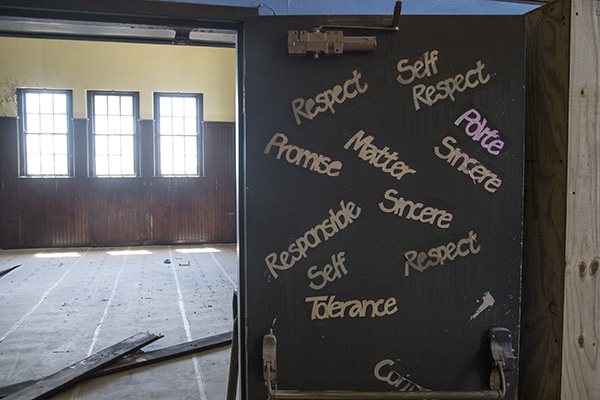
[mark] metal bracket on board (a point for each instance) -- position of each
(502, 353)
(330, 39)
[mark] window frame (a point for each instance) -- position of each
(22, 133)
(92, 134)
(200, 133)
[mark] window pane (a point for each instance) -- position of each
(178, 106)
(100, 105)
(190, 126)
(47, 123)
(33, 164)
(114, 145)
(60, 144)
(114, 124)
(114, 106)
(60, 123)
(165, 105)
(177, 125)
(126, 105)
(114, 164)
(165, 126)
(127, 145)
(32, 123)
(60, 103)
(33, 145)
(127, 164)
(191, 145)
(46, 103)
(166, 145)
(101, 145)
(101, 125)
(179, 166)
(166, 164)
(178, 146)
(190, 107)
(101, 165)
(127, 125)
(47, 164)
(61, 164)
(47, 144)
(191, 166)
(32, 102)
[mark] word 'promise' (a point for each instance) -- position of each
(379, 158)
(328, 228)
(326, 100)
(295, 155)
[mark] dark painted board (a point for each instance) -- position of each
(431, 326)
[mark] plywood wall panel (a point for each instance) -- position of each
(581, 337)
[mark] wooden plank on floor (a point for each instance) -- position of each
(79, 370)
(6, 271)
(143, 359)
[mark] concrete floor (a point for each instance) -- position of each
(56, 309)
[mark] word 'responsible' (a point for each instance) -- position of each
(393, 378)
(326, 100)
(415, 211)
(295, 155)
(446, 88)
(438, 255)
(481, 132)
(379, 158)
(477, 172)
(329, 273)
(325, 307)
(312, 238)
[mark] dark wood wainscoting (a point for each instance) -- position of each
(87, 211)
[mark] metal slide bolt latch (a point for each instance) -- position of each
(320, 42)
(269, 357)
(503, 355)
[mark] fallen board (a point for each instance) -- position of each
(141, 359)
(76, 372)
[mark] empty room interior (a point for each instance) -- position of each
(118, 194)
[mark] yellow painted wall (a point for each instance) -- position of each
(145, 68)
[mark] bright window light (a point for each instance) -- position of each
(199, 250)
(128, 252)
(57, 255)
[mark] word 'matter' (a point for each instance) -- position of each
(379, 158)
(446, 88)
(325, 307)
(312, 238)
(326, 100)
(329, 273)
(477, 172)
(438, 255)
(420, 69)
(415, 211)
(481, 131)
(294, 155)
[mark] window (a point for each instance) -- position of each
(113, 133)
(179, 134)
(45, 132)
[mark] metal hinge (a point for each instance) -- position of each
(330, 39)
(500, 346)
